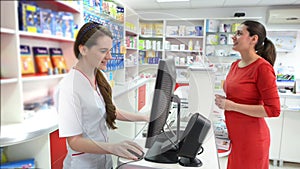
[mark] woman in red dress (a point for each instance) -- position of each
(251, 95)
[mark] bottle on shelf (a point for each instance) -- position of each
(190, 44)
(197, 46)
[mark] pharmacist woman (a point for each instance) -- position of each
(251, 95)
(84, 103)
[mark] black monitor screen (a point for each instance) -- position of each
(163, 92)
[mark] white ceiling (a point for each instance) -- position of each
(152, 4)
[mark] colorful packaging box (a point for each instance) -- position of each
(181, 30)
(27, 62)
(58, 60)
(24, 164)
(42, 60)
(57, 25)
(28, 17)
(212, 25)
(46, 18)
(158, 29)
(190, 31)
(172, 30)
(68, 25)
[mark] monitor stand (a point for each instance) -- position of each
(162, 151)
(165, 150)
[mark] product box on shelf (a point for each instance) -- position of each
(58, 60)
(181, 30)
(67, 25)
(142, 55)
(212, 25)
(212, 39)
(142, 44)
(28, 163)
(120, 13)
(29, 19)
(142, 28)
(158, 29)
(42, 60)
(149, 29)
(199, 31)
(172, 30)
(46, 18)
(234, 27)
(27, 62)
(190, 31)
(57, 25)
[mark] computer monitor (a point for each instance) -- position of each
(160, 146)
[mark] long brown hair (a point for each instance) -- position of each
(264, 47)
(87, 36)
(105, 90)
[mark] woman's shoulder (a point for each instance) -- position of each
(263, 64)
(235, 63)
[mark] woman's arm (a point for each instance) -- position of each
(126, 116)
(250, 110)
(85, 145)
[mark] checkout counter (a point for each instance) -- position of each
(201, 100)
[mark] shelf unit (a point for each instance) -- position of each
(26, 140)
(218, 38)
(185, 45)
(131, 42)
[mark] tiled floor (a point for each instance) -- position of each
(286, 165)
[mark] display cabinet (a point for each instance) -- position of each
(25, 134)
(283, 131)
(184, 40)
(131, 43)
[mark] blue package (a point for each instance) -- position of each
(28, 18)
(24, 164)
(67, 25)
(57, 23)
(46, 17)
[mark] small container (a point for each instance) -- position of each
(182, 47)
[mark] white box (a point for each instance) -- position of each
(174, 47)
(190, 31)
(212, 25)
(172, 30)
(181, 31)
(182, 47)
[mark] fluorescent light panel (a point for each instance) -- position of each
(172, 1)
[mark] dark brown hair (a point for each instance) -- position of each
(105, 90)
(87, 36)
(264, 47)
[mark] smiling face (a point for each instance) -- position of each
(96, 54)
(107, 57)
(242, 41)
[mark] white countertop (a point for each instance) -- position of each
(43, 122)
(209, 157)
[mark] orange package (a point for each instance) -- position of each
(58, 61)
(27, 62)
(42, 59)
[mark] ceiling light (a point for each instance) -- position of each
(172, 1)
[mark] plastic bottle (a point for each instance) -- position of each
(197, 45)
(190, 45)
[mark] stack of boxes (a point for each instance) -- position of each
(35, 19)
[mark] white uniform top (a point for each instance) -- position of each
(81, 110)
